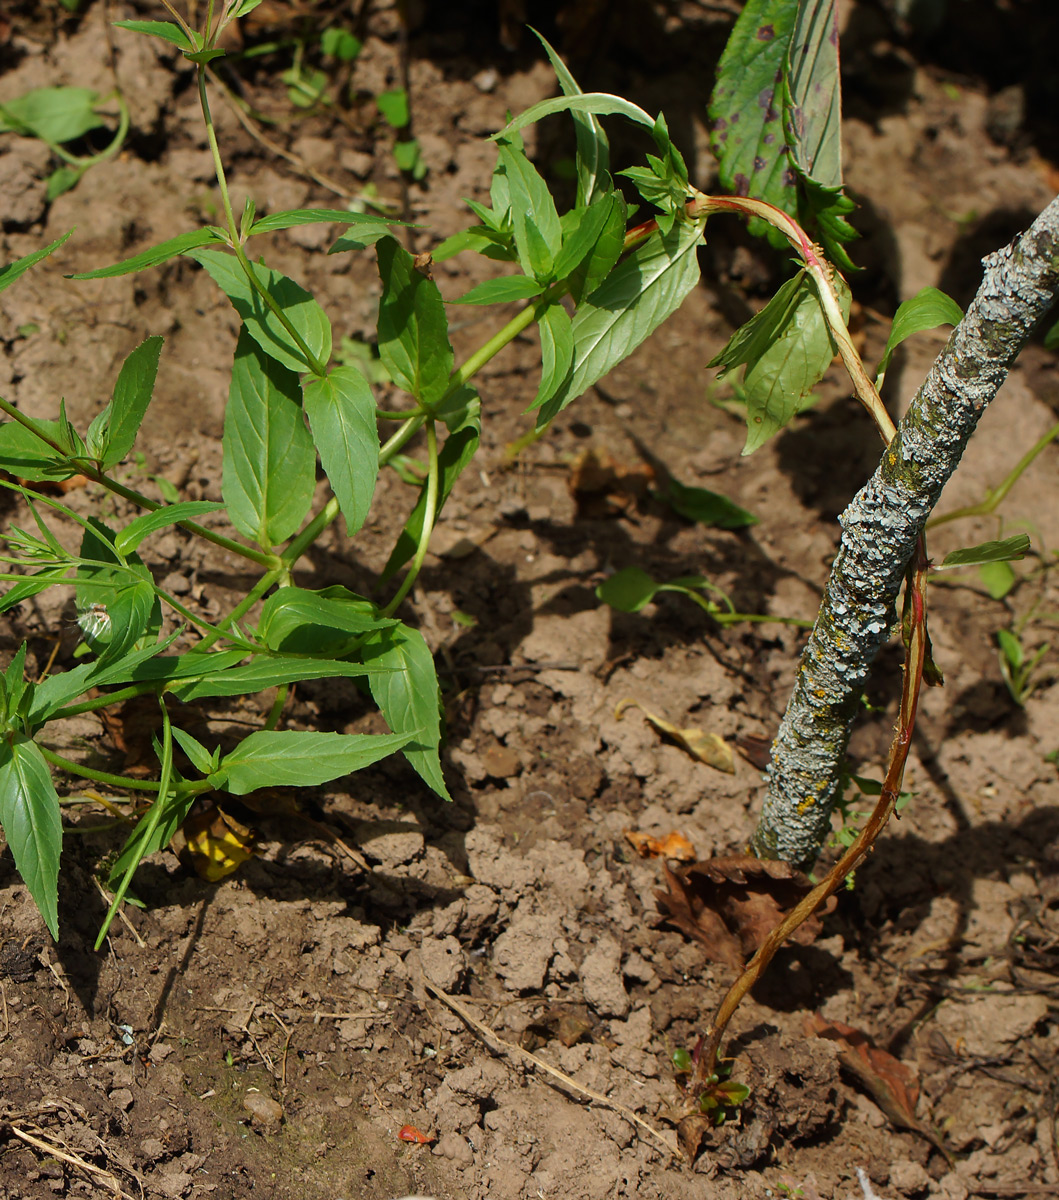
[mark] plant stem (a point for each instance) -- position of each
(881, 529)
(429, 515)
(104, 777)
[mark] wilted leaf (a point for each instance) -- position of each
(673, 846)
(216, 844)
(731, 904)
(709, 748)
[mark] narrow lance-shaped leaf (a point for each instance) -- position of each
(29, 814)
(1006, 550)
(813, 114)
(269, 465)
(25, 456)
(557, 352)
(599, 104)
(629, 305)
(409, 697)
(21, 265)
(413, 329)
(166, 30)
(267, 671)
(156, 254)
(504, 290)
(320, 216)
(129, 538)
(538, 232)
(113, 432)
(295, 758)
(341, 412)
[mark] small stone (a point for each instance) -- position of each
(390, 843)
(442, 961)
(456, 1148)
(501, 762)
(486, 80)
(122, 1097)
(265, 1112)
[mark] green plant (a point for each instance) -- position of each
(1018, 667)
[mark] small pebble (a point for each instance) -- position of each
(264, 1111)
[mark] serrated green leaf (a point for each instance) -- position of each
(538, 232)
(462, 415)
(593, 149)
(413, 329)
(301, 310)
(29, 814)
(1006, 550)
(409, 698)
(298, 621)
(927, 309)
(321, 216)
(113, 431)
(269, 464)
(129, 538)
(557, 352)
(295, 758)
(21, 265)
(156, 255)
(53, 114)
(746, 109)
(629, 305)
(599, 104)
(505, 290)
(165, 30)
(341, 412)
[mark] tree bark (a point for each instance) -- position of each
(880, 529)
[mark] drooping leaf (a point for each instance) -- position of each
(296, 758)
(21, 265)
(927, 309)
(746, 108)
(593, 149)
(599, 104)
(629, 305)
(413, 329)
(320, 216)
(1007, 550)
(29, 815)
(557, 352)
(304, 622)
(503, 290)
(306, 317)
(269, 465)
(53, 114)
(156, 254)
(998, 578)
(628, 590)
(409, 697)
(341, 412)
(708, 748)
(165, 30)
(113, 431)
(129, 538)
(786, 349)
(453, 457)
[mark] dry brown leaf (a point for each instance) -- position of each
(673, 846)
(708, 748)
(755, 749)
(603, 486)
(216, 844)
(732, 904)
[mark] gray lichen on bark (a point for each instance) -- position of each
(880, 529)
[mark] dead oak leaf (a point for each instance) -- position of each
(674, 845)
(708, 748)
(731, 904)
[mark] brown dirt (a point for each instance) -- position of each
(301, 980)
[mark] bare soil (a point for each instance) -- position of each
(270, 1035)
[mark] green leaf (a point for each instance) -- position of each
(455, 454)
(133, 534)
(706, 507)
(154, 830)
(1051, 338)
(29, 814)
(62, 180)
(265, 672)
(786, 348)
(582, 236)
(53, 114)
(927, 309)
(987, 552)
(292, 758)
(21, 265)
(608, 248)
(300, 309)
(157, 254)
(494, 245)
(114, 429)
(130, 613)
(321, 216)
(998, 578)
(408, 156)
(25, 456)
(269, 468)
(746, 109)
(628, 590)
(340, 44)
(362, 236)
(538, 232)
(632, 302)
(813, 101)
(165, 30)
(598, 104)
(593, 149)
(409, 698)
(505, 290)
(200, 757)
(557, 352)
(304, 622)
(341, 412)
(393, 106)
(413, 330)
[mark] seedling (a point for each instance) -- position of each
(1018, 667)
(718, 1097)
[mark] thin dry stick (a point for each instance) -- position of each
(891, 789)
(509, 1049)
(49, 1147)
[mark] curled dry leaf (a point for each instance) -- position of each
(215, 844)
(731, 904)
(709, 748)
(674, 846)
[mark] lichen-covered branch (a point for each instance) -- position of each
(879, 533)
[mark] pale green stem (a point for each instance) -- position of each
(429, 516)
